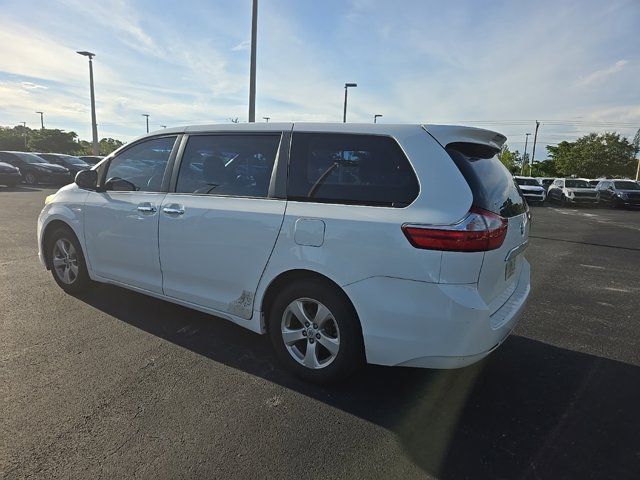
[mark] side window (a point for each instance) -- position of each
(233, 165)
(141, 167)
(350, 169)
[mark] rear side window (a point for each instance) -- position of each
(491, 183)
(350, 169)
(234, 165)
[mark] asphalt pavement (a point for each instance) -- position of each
(113, 384)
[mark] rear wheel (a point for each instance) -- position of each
(315, 332)
(30, 178)
(67, 261)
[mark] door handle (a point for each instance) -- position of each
(146, 207)
(173, 210)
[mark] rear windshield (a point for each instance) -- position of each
(529, 182)
(491, 183)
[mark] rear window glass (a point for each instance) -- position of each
(350, 169)
(492, 185)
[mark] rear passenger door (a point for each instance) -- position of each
(220, 221)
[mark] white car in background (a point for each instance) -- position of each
(346, 243)
(532, 189)
(572, 191)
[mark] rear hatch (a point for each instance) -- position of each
(474, 151)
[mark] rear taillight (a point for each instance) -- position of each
(479, 231)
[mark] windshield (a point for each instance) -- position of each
(529, 182)
(572, 183)
(626, 185)
(29, 158)
(74, 161)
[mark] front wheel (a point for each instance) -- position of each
(67, 261)
(30, 179)
(315, 331)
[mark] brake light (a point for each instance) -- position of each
(479, 231)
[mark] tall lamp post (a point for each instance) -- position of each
(266, 119)
(346, 88)
(94, 125)
(146, 115)
(524, 155)
(41, 120)
(533, 154)
(252, 73)
(24, 134)
(375, 117)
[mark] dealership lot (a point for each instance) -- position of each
(114, 384)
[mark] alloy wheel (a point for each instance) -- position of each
(310, 333)
(65, 261)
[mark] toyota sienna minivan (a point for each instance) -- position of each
(345, 243)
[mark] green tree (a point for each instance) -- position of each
(511, 160)
(105, 146)
(53, 140)
(14, 138)
(595, 155)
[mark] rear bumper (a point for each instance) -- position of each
(433, 325)
(10, 178)
(55, 178)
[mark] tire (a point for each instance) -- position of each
(68, 266)
(340, 330)
(30, 178)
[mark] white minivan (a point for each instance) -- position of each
(346, 243)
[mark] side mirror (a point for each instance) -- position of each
(117, 184)
(87, 179)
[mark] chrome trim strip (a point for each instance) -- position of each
(516, 250)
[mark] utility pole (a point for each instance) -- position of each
(266, 119)
(346, 87)
(252, 73)
(24, 134)
(524, 155)
(41, 119)
(535, 139)
(375, 117)
(146, 115)
(94, 125)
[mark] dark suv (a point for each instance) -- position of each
(35, 169)
(619, 193)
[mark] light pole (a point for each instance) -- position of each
(252, 73)
(346, 87)
(41, 120)
(266, 119)
(24, 133)
(533, 154)
(94, 125)
(375, 117)
(524, 155)
(146, 115)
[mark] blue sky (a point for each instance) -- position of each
(502, 64)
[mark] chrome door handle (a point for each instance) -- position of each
(147, 208)
(173, 210)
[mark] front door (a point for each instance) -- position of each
(219, 227)
(121, 223)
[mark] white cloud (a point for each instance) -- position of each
(244, 45)
(597, 77)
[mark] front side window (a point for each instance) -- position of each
(231, 165)
(350, 169)
(626, 185)
(141, 167)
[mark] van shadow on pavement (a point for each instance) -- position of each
(531, 410)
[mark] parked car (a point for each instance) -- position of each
(9, 175)
(545, 182)
(91, 159)
(572, 191)
(73, 164)
(391, 244)
(532, 190)
(35, 169)
(619, 193)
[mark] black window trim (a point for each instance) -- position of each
(275, 191)
(350, 202)
(104, 165)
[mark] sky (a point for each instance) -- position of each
(573, 65)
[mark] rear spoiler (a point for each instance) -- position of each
(448, 134)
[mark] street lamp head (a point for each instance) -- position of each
(41, 113)
(347, 85)
(87, 54)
